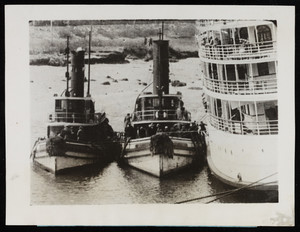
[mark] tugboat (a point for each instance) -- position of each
(76, 135)
(239, 70)
(160, 137)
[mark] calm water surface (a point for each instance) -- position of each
(112, 184)
(115, 185)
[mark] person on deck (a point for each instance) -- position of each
(130, 131)
(166, 129)
(179, 113)
(151, 130)
(72, 134)
(142, 132)
(65, 133)
(185, 114)
(159, 128)
(80, 134)
(127, 120)
(202, 128)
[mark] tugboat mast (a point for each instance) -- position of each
(89, 69)
(67, 51)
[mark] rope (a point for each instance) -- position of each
(125, 145)
(221, 193)
(143, 91)
(244, 187)
(31, 154)
(203, 117)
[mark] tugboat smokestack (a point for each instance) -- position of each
(161, 66)
(77, 73)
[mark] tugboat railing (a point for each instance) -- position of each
(72, 117)
(252, 86)
(267, 127)
(154, 115)
(244, 51)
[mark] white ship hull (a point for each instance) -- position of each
(139, 156)
(77, 155)
(240, 160)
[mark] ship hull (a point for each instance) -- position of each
(139, 155)
(243, 161)
(75, 155)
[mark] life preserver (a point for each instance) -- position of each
(156, 114)
(55, 146)
(165, 114)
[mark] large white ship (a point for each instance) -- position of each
(239, 70)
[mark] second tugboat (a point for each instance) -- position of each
(76, 135)
(160, 137)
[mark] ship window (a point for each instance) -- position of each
(227, 36)
(76, 106)
(241, 71)
(236, 36)
(264, 33)
(148, 103)
(58, 104)
(138, 105)
(70, 105)
(244, 33)
(169, 103)
(243, 109)
(272, 113)
(263, 69)
(223, 72)
(172, 103)
(218, 109)
(92, 107)
(230, 72)
(213, 73)
(210, 71)
(64, 105)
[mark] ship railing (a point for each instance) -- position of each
(72, 117)
(252, 86)
(147, 115)
(244, 51)
(268, 127)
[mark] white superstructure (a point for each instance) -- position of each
(239, 70)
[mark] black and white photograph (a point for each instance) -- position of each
(150, 119)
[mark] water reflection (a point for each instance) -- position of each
(112, 184)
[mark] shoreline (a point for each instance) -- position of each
(112, 57)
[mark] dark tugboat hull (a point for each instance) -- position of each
(75, 155)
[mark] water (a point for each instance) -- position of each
(112, 184)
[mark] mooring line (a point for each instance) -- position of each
(226, 193)
(244, 187)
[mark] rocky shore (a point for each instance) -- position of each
(108, 57)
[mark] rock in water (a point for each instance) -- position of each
(177, 83)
